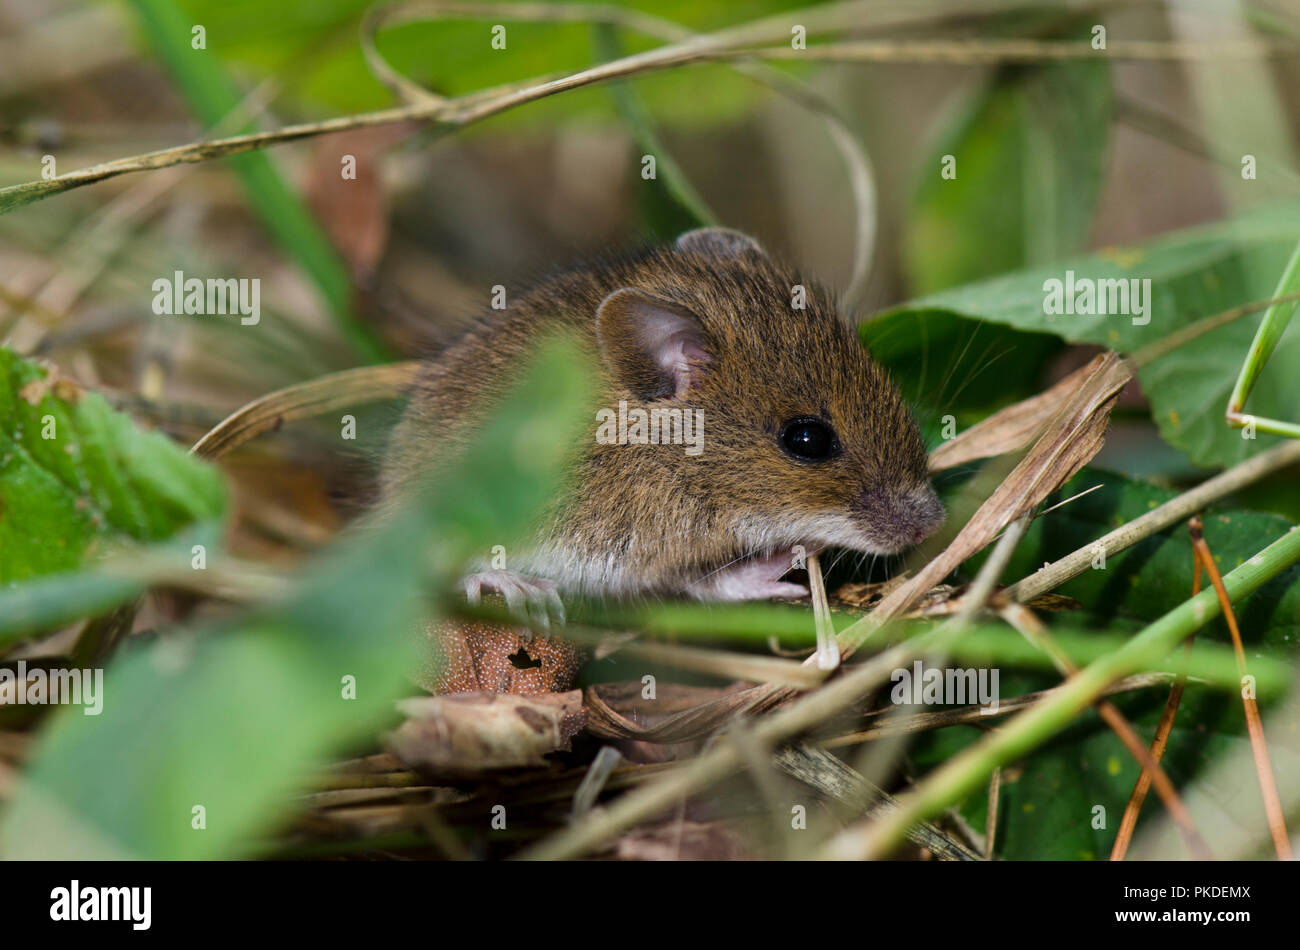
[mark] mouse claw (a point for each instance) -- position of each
(532, 600)
(554, 603)
(539, 616)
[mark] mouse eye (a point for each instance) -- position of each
(809, 440)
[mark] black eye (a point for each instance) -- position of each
(809, 440)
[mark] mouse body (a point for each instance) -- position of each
(772, 432)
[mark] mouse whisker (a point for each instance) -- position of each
(734, 560)
(844, 552)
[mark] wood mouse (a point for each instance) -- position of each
(792, 439)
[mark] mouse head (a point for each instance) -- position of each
(805, 440)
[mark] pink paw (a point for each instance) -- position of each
(753, 579)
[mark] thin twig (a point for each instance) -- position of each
(1258, 744)
(324, 394)
(1184, 335)
(1170, 513)
(1033, 629)
(833, 777)
(828, 651)
(594, 781)
(971, 715)
(455, 113)
(1133, 809)
(980, 52)
(727, 663)
(964, 772)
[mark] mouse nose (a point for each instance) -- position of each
(911, 515)
(929, 511)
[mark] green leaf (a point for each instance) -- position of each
(213, 96)
(1153, 576)
(1194, 274)
(1029, 156)
(315, 42)
(946, 364)
(225, 723)
(75, 473)
(1047, 810)
(1048, 801)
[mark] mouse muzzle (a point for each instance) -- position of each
(895, 520)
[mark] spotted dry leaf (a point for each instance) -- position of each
(470, 657)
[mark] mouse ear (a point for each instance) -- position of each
(656, 347)
(719, 242)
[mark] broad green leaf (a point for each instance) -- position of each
(75, 474)
(1047, 809)
(1048, 801)
(1193, 274)
(1027, 158)
(945, 364)
(1153, 576)
(230, 719)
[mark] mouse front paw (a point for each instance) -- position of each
(754, 579)
(530, 599)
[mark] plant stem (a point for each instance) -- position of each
(1128, 824)
(1170, 513)
(964, 773)
(211, 94)
(1258, 746)
(806, 714)
(1266, 337)
(1024, 620)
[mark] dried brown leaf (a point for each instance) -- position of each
(470, 734)
(1072, 436)
(354, 211)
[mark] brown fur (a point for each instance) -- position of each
(649, 518)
